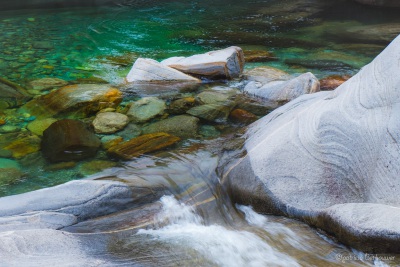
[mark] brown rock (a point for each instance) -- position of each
(180, 106)
(143, 144)
(24, 146)
(69, 140)
(47, 83)
(80, 100)
(258, 56)
(242, 116)
(333, 81)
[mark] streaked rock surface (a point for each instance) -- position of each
(278, 92)
(226, 63)
(79, 100)
(327, 149)
(149, 70)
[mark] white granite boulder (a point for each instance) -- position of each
(226, 63)
(149, 70)
(327, 149)
(278, 92)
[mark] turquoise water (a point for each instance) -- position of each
(75, 43)
(325, 37)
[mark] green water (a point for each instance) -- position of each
(325, 37)
(77, 41)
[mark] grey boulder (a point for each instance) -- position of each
(314, 156)
(278, 92)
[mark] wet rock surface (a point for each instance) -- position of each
(69, 140)
(109, 122)
(143, 144)
(146, 109)
(78, 100)
(183, 126)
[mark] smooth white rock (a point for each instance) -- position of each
(149, 70)
(225, 63)
(279, 92)
(329, 148)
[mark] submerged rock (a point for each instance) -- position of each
(258, 56)
(24, 146)
(180, 106)
(95, 166)
(211, 112)
(332, 82)
(242, 116)
(277, 93)
(10, 176)
(39, 126)
(69, 140)
(109, 122)
(227, 63)
(183, 126)
(266, 74)
(149, 70)
(213, 97)
(143, 144)
(130, 131)
(47, 84)
(110, 141)
(79, 100)
(146, 109)
(12, 95)
(314, 157)
(320, 64)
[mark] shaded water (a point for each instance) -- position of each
(199, 225)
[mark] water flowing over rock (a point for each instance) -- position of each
(317, 154)
(227, 63)
(109, 122)
(79, 100)
(69, 140)
(277, 93)
(149, 70)
(143, 144)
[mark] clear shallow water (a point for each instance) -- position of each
(76, 43)
(325, 37)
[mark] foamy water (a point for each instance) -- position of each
(222, 246)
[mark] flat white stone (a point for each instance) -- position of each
(149, 70)
(225, 63)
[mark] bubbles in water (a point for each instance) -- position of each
(221, 246)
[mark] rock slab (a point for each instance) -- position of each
(143, 144)
(227, 63)
(149, 70)
(317, 154)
